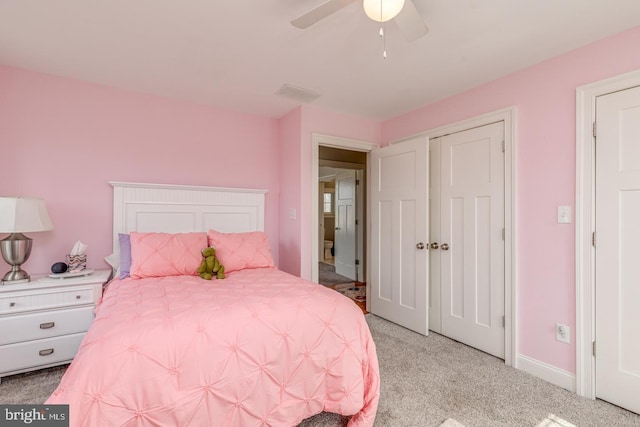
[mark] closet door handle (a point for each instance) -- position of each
(47, 325)
(46, 352)
(444, 247)
(434, 245)
(420, 246)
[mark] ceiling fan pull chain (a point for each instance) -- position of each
(384, 41)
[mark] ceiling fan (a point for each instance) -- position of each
(404, 13)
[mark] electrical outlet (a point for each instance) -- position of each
(563, 333)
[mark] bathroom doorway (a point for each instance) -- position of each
(341, 217)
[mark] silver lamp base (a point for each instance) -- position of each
(15, 276)
(16, 249)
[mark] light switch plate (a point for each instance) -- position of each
(564, 214)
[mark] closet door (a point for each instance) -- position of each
(471, 242)
(400, 233)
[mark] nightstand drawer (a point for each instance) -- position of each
(42, 300)
(40, 325)
(32, 354)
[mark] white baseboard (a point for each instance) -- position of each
(557, 376)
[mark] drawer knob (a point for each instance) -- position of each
(46, 352)
(12, 304)
(47, 325)
(78, 296)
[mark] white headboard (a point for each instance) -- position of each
(183, 208)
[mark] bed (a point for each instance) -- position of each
(258, 348)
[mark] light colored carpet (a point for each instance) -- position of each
(425, 381)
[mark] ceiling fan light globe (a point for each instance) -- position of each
(382, 10)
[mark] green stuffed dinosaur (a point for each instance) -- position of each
(210, 265)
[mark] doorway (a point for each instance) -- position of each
(341, 217)
(617, 189)
(608, 205)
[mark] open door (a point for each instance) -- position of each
(400, 233)
(345, 229)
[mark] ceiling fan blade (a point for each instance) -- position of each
(410, 22)
(320, 12)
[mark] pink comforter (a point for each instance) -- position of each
(258, 348)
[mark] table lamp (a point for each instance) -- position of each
(20, 215)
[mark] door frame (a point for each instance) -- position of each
(317, 140)
(507, 115)
(585, 223)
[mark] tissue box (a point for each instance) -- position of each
(76, 262)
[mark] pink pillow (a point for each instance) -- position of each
(237, 251)
(164, 254)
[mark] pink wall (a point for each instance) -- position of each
(63, 140)
(290, 229)
(544, 97)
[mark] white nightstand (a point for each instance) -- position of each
(42, 322)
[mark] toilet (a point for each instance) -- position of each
(328, 245)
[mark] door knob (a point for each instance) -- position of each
(420, 246)
(444, 247)
(337, 228)
(434, 245)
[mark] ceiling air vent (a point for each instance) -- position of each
(298, 93)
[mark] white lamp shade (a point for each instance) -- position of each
(23, 215)
(382, 10)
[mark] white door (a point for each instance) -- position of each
(617, 254)
(471, 237)
(400, 233)
(344, 245)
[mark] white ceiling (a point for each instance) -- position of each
(237, 54)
